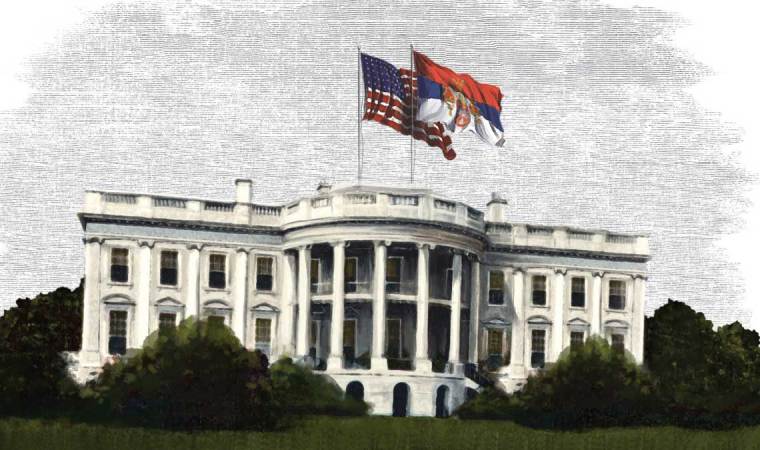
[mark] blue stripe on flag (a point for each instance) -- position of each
(426, 88)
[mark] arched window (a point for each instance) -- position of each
(442, 401)
(355, 390)
(401, 400)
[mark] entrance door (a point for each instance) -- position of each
(441, 401)
(401, 400)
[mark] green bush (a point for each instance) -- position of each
(302, 392)
(198, 376)
(33, 372)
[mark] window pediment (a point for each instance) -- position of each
(539, 320)
(265, 307)
(216, 304)
(616, 324)
(168, 301)
(118, 299)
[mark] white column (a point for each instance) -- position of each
(637, 332)
(474, 309)
(517, 363)
(456, 310)
(421, 360)
(378, 360)
(91, 307)
(192, 301)
(304, 301)
(558, 309)
(596, 304)
(239, 291)
(286, 325)
(335, 360)
(142, 306)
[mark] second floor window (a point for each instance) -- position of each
(539, 290)
(315, 275)
(264, 273)
(578, 294)
(617, 294)
(537, 348)
(169, 268)
(496, 287)
(119, 265)
(350, 269)
(393, 274)
(217, 271)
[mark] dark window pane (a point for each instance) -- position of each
(167, 321)
(117, 345)
(539, 298)
(618, 342)
(264, 282)
(117, 332)
(119, 274)
(576, 339)
(216, 280)
(537, 360)
(538, 345)
(495, 297)
(168, 276)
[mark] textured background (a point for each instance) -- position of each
(602, 126)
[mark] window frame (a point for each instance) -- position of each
(355, 281)
(161, 268)
(400, 337)
(109, 328)
(314, 285)
(545, 332)
(624, 296)
(583, 338)
(167, 313)
(491, 288)
(224, 257)
(573, 292)
(533, 290)
(272, 263)
(398, 283)
(128, 265)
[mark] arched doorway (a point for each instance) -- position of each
(401, 400)
(442, 401)
(355, 390)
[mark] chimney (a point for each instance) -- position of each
(242, 190)
(497, 208)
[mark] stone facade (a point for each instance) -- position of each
(397, 294)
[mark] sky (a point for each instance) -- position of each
(633, 116)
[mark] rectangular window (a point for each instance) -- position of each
(167, 321)
(350, 274)
(393, 338)
(449, 282)
(618, 342)
(495, 287)
(576, 339)
(349, 340)
(264, 336)
(119, 265)
(539, 290)
(264, 273)
(169, 261)
(393, 274)
(314, 337)
(117, 332)
(578, 294)
(495, 338)
(315, 275)
(215, 320)
(617, 294)
(217, 271)
(537, 348)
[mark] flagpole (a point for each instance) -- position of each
(411, 134)
(359, 115)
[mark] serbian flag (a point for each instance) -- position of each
(389, 100)
(458, 101)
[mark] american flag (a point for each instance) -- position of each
(389, 102)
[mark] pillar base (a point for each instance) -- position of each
(455, 368)
(379, 364)
(423, 365)
(334, 363)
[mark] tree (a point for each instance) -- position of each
(198, 376)
(32, 336)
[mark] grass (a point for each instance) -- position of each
(367, 433)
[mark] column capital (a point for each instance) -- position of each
(638, 276)
(598, 273)
(343, 244)
(382, 243)
(198, 247)
(519, 270)
(242, 250)
(93, 239)
(560, 271)
(422, 245)
(473, 257)
(146, 243)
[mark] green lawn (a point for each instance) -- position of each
(367, 433)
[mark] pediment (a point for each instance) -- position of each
(217, 304)
(168, 301)
(118, 299)
(578, 322)
(496, 323)
(265, 307)
(616, 324)
(539, 320)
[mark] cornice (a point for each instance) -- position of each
(545, 251)
(86, 218)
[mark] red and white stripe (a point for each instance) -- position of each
(387, 109)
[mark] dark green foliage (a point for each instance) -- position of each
(590, 385)
(33, 372)
(299, 391)
(198, 376)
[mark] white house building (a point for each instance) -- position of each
(397, 294)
